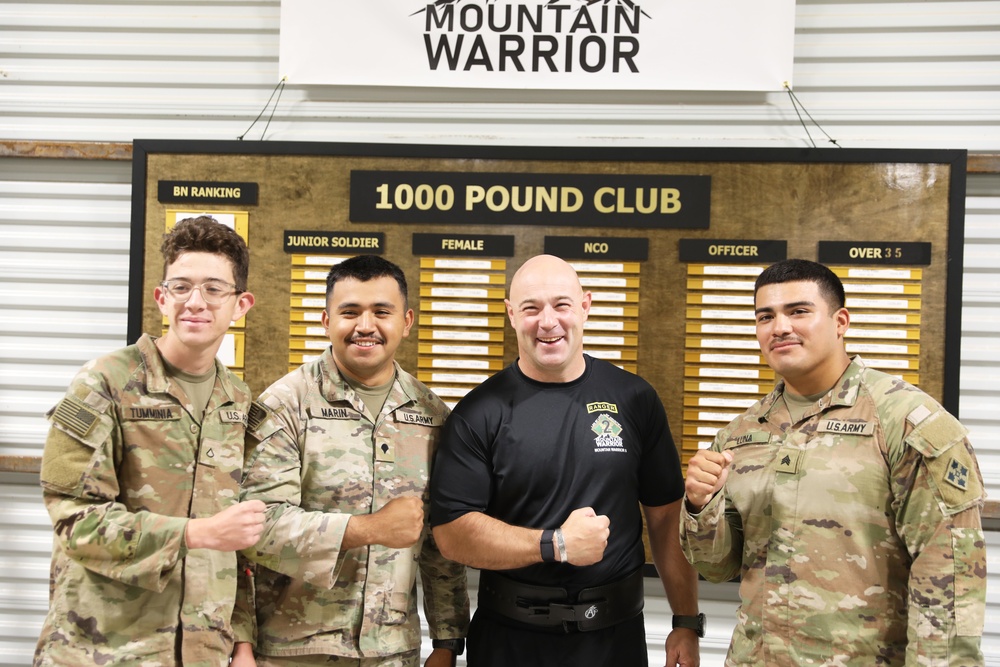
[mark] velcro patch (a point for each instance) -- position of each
(160, 413)
(258, 413)
(748, 438)
(918, 415)
(788, 460)
(330, 412)
(233, 417)
(846, 427)
(75, 416)
(957, 474)
(410, 417)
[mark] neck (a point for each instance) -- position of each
(819, 382)
(193, 361)
(568, 373)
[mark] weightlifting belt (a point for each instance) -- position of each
(550, 607)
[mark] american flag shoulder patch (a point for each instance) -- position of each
(75, 416)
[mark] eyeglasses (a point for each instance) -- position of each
(213, 292)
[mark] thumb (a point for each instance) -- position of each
(724, 475)
(728, 455)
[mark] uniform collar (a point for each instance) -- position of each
(333, 387)
(157, 380)
(844, 393)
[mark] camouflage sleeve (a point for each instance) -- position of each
(938, 493)
(446, 596)
(712, 539)
(299, 543)
(80, 489)
(244, 620)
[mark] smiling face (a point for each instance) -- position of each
(196, 327)
(547, 308)
(801, 335)
(366, 321)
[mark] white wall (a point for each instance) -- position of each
(890, 74)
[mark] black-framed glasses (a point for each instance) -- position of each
(213, 292)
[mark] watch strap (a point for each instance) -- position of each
(546, 546)
(456, 646)
(696, 623)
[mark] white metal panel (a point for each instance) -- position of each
(64, 242)
(888, 74)
(25, 550)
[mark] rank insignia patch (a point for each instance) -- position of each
(957, 475)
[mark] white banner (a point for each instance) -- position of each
(541, 44)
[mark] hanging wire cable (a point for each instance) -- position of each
(277, 89)
(796, 104)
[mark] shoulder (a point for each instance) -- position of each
(111, 372)
(897, 401)
(619, 383)
(424, 399)
(240, 388)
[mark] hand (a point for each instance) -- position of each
(682, 648)
(706, 475)
(441, 657)
(243, 656)
(237, 527)
(400, 523)
(586, 535)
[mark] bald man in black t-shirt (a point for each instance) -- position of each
(538, 482)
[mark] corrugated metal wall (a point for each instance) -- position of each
(875, 74)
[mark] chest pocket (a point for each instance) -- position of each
(751, 475)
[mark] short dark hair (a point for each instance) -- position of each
(206, 234)
(364, 268)
(803, 270)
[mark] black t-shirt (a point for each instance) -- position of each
(528, 453)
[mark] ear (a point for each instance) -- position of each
(243, 304)
(843, 321)
(510, 311)
(160, 296)
(407, 322)
(588, 298)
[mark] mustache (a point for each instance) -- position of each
(355, 338)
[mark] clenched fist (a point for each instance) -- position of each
(237, 527)
(586, 536)
(706, 475)
(398, 525)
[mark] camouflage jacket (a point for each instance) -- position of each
(319, 460)
(856, 531)
(125, 465)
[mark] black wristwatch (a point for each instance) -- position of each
(696, 623)
(456, 646)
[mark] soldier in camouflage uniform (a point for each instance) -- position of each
(847, 501)
(340, 452)
(140, 476)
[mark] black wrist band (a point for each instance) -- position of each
(456, 646)
(546, 546)
(696, 623)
